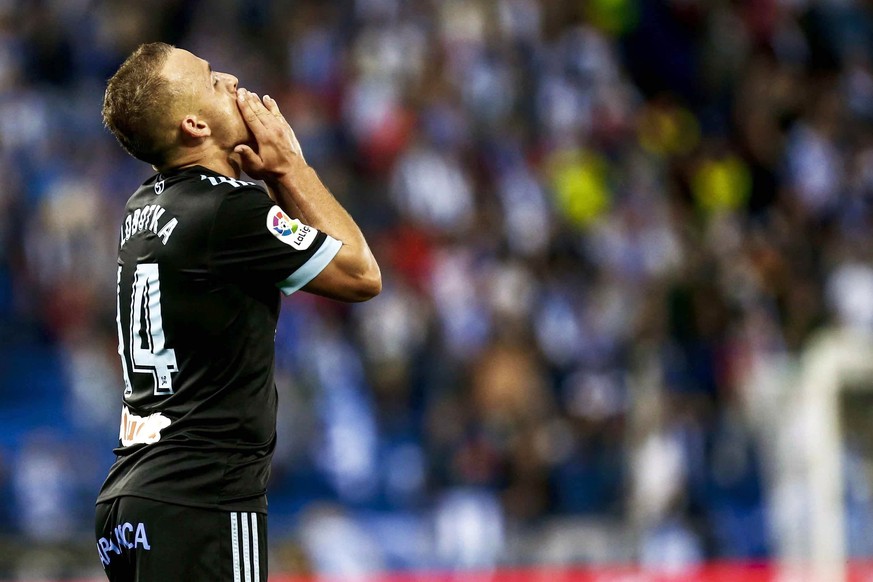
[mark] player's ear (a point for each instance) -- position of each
(195, 127)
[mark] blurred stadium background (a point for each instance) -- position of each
(626, 249)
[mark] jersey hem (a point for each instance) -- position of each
(257, 508)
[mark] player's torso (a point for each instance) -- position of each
(202, 259)
(196, 349)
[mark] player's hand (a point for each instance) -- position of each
(277, 149)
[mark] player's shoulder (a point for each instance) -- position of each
(209, 194)
(193, 185)
(198, 179)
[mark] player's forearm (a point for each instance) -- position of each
(302, 194)
(352, 274)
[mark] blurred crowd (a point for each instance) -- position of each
(591, 217)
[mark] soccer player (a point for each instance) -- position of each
(202, 258)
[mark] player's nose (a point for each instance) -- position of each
(230, 81)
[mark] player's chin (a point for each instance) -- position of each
(246, 139)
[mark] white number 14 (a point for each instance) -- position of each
(154, 358)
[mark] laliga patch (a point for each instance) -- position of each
(289, 230)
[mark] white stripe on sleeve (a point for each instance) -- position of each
(315, 265)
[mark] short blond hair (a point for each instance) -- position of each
(135, 97)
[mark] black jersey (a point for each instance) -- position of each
(201, 260)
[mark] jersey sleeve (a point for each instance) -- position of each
(252, 239)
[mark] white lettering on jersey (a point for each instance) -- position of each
(223, 180)
(138, 430)
(143, 217)
(168, 230)
(148, 218)
(289, 230)
(156, 214)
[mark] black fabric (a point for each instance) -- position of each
(197, 313)
(140, 540)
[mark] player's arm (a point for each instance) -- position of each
(353, 274)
